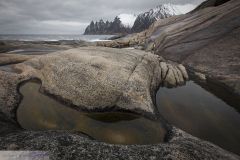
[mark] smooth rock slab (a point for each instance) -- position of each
(206, 40)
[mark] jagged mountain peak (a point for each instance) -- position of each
(168, 8)
(127, 23)
(109, 27)
(162, 11)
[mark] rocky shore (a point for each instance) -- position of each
(39, 47)
(122, 79)
(97, 77)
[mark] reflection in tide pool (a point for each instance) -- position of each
(201, 114)
(40, 112)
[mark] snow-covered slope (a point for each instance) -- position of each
(127, 19)
(128, 23)
(162, 11)
(144, 20)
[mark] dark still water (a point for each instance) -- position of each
(201, 114)
(40, 112)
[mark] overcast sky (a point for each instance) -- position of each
(67, 16)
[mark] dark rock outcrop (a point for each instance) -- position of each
(206, 41)
(210, 3)
(145, 20)
(112, 28)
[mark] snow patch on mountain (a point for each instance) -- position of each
(129, 23)
(185, 8)
(144, 20)
(166, 10)
(127, 19)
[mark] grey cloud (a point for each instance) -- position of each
(29, 16)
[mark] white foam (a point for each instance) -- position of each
(16, 51)
(97, 40)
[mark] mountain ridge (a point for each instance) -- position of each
(125, 25)
(102, 27)
(144, 20)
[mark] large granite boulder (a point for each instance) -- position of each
(97, 78)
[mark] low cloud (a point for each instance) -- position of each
(67, 17)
